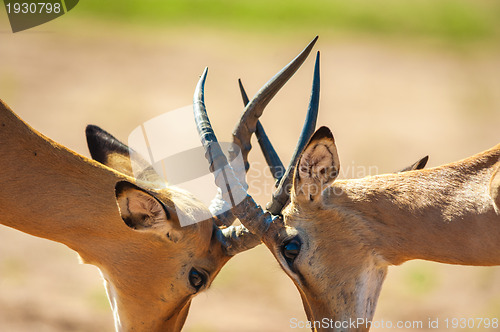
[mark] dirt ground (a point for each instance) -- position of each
(387, 102)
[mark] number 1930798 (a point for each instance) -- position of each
(33, 8)
(471, 323)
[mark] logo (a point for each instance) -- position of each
(25, 14)
(167, 148)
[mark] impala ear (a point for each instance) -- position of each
(108, 150)
(419, 164)
(142, 211)
(495, 188)
(318, 165)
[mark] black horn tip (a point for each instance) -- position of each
(244, 95)
(311, 44)
(205, 72)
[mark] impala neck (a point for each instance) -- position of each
(443, 214)
(51, 192)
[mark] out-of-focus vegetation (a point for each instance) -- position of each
(455, 21)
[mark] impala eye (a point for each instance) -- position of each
(197, 279)
(291, 249)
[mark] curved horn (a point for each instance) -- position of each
(244, 207)
(253, 110)
(248, 124)
(282, 194)
(267, 148)
(257, 221)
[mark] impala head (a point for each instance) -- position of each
(128, 228)
(160, 266)
(322, 249)
(313, 243)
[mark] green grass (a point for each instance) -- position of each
(450, 20)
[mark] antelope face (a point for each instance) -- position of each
(154, 267)
(168, 266)
(338, 279)
(323, 249)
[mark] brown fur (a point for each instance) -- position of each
(355, 229)
(51, 192)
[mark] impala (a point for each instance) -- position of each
(335, 239)
(152, 268)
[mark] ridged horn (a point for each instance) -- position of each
(231, 190)
(254, 108)
(273, 160)
(248, 125)
(243, 206)
(282, 194)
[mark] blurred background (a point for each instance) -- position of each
(400, 80)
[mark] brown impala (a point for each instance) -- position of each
(335, 239)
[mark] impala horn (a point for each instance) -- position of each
(243, 206)
(220, 207)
